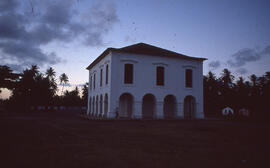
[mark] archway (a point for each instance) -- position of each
(96, 106)
(169, 107)
(106, 105)
(100, 106)
(189, 107)
(125, 105)
(148, 106)
(90, 106)
(93, 106)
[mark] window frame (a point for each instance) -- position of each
(101, 77)
(107, 74)
(187, 83)
(128, 80)
(160, 79)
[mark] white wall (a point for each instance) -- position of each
(104, 88)
(144, 81)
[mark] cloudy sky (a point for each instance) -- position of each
(69, 34)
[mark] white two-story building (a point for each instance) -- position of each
(144, 81)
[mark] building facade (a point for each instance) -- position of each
(144, 81)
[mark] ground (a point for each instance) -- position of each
(67, 140)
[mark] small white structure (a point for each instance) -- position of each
(243, 112)
(144, 81)
(227, 111)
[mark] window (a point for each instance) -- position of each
(101, 72)
(107, 73)
(188, 78)
(128, 78)
(94, 84)
(91, 83)
(160, 76)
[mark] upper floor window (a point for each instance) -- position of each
(94, 84)
(189, 78)
(101, 72)
(128, 78)
(160, 76)
(107, 74)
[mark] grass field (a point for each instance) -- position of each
(66, 140)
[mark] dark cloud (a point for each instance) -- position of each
(214, 64)
(99, 19)
(266, 51)
(8, 5)
(26, 26)
(246, 55)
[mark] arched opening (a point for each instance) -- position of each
(189, 107)
(101, 106)
(106, 105)
(148, 106)
(93, 106)
(89, 106)
(169, 107)
(96, 107)
(125, 105)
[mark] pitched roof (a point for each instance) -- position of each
(144, 49)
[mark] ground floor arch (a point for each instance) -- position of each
(96, 106)
(90, 106)
(189, 107)
(93, 106)
(148, 106)
(100, 106)
(169, 107)
(126, 105)
(106, 105)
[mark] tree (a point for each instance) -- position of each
(72, 98)
(212, 97)
(8, 79)
(85, 93)
(63, 80)
(227, 78)
(50, 75)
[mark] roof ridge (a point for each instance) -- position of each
(145, 49)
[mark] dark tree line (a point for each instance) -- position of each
(31, 88)
(226, 91)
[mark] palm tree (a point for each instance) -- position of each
(34, 70)
(50, 74)
(63, 80)
(227, 78)
(253, 78)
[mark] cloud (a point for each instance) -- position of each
(246, 55)
(99, 19)
(241, 71)
(214, 64)
(27, 26)
(266, 51)
(8, 5)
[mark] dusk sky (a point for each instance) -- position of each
(69, 34)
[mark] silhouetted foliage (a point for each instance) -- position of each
(63, 80)
(221, 92)
(85, 93)
(34, 89)
(7, 77)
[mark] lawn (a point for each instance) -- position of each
(67, 140)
